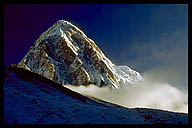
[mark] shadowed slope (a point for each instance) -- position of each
(30, 98)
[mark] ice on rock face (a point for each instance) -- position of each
(65, 54)
(126, 75)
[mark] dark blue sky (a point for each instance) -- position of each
(137, 35)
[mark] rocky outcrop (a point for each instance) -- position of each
(66, 55)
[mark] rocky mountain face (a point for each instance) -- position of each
(66, 55)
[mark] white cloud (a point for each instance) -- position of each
(146, 95)
(166, 75)
(163, 61)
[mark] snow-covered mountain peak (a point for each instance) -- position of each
(63, 26)
(66, 55)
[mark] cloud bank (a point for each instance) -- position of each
(164, 66)
(145, 94)
(160, 54)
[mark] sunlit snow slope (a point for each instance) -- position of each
(33, 99)
(66, 55)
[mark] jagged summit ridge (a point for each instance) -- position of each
(66, 55)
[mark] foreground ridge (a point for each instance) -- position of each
(30, 98)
